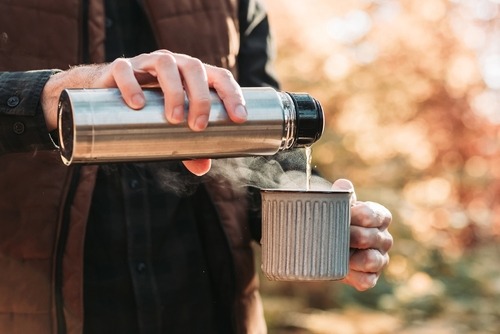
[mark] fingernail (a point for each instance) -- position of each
(178, 114)
(201, 122)
(138, 101)
(241, 111)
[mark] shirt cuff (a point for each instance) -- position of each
(22, 122)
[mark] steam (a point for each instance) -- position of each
(282, 171)
(285, 170)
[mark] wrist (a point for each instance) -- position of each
(50, 99)
(75, 77)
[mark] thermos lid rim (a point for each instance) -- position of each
(309, 119)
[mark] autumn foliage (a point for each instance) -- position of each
(411, 90)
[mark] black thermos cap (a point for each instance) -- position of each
(309, 119)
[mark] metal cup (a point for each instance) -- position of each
(305, 234)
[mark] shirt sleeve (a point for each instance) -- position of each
(22, 123)
(256, 48)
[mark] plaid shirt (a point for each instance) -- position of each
(146, 267)
(149, 251)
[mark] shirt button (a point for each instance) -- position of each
(18, 128)
(13, 101)
(141, 267)
(109, 23)
(134, 184)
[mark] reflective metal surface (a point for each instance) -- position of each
(95, 125)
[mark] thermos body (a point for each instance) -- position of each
(95, 125)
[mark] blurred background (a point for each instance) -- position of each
(411, 89)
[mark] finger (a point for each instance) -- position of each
(344, 184)
(370, 214)
(229, 91)
(368, 261)
(123, 75)
(361, 281)
(366, 238)
(195, 81)
(198, 167)
(163, 65)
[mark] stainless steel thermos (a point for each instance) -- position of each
(95, 125)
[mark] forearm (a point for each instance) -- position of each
(22, 121)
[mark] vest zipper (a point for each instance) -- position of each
(84, 43)
(146, 6)
(60, 248)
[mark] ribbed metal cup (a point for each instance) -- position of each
(305, 234)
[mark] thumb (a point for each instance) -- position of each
(344, 184)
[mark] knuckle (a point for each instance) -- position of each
(201, 104)
(361, 212)
(225, 74)
(380, 240)
(196, 62)
(363, 243)
(363, 238)
(371, 214)
(388, 241)
(120, 64)
(174, 99)
(367, 282)
(381, 212)
(193, 64)
(161, 51)
(384, 216)
(373, 261)
(140, 56)
(164, 59)
(220, 72)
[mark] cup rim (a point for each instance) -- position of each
(313, 191)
